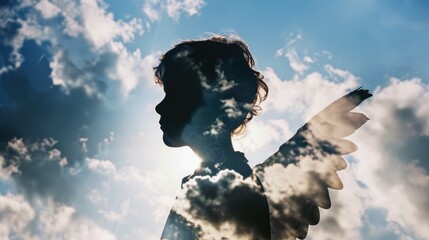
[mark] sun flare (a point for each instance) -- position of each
(188, 160)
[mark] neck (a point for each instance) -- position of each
(218, 154)
(213, 149)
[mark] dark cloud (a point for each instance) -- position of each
(224, 205)
(411, 144)
(32, 114)
(40, 168)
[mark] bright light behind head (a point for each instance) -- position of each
(188, 160)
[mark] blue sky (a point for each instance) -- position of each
(80, 144)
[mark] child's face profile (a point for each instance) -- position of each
(182, 99)
(189, 112)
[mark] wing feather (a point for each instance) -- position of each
(297, 177)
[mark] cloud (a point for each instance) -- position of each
(58, 112)
(149, 9)
(344, 220)
(263, 133)
(308, 95)
(390, 164)
(224, 205)
(126, 174)
(16, 217)
(174, 8)
(393, 152)
(85, 71)
(85, 41)
(34, 165)
(60, 221)
(298, 64)
(101, 166)
(279, 182)
(6, 170)
(47, 9)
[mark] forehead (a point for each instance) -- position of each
(181, 80)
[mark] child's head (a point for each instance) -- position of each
(210, 87)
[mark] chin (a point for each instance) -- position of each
(172, 142)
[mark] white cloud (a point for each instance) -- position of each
(308, 95)
(116, 216)
(56, 218)
(99, 26)
(392, 161)
(87, 45)
(18, 146)
(111, 215)
(101, 166)
(16, 214)
(96, 197)
(339, 74)
(150, 10)
(59, 221)
(126, 174)
(298, 64)
(7, 170)
(262, 133)
(47, 9)
(132, 67)
(174, 8)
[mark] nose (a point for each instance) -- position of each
(159, 107)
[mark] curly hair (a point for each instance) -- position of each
(222, 48)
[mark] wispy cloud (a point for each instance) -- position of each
(174, 8)
(297, 63)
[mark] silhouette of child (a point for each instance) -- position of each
(211, 92)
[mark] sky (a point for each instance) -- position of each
(81, 152)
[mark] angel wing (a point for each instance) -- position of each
(296, 178)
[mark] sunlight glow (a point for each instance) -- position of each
(188, 160)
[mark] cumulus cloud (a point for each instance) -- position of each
(288, 95)
(390, 164)
(60, 221)
(16, 214)
(224, 205)
(27, 162)
(47, 9)
(51, 112)
(297, 177)
(392, 160)
(86, 43)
